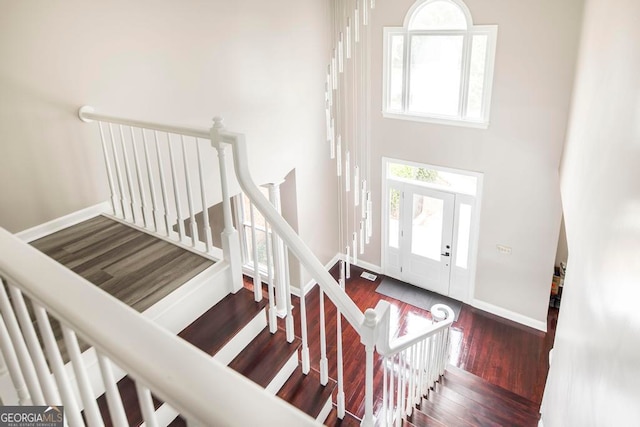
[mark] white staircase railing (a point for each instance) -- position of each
(143, 195)
(202, 390)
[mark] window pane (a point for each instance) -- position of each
(436, 62)
(394, 218)
(426, 236)
(464, 233)
(439, 15)
(396, 72)
(476, 76)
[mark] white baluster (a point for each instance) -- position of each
(369, 348)
(257, 282)
(278, 256)
(306, 361)
(176, 190)
(400, 382)
(356, 186)
(13, 365)
(127, 170)
(91, 411)
(150, 179)
(203, 196)
(273, 318)
(107, 165)
(410, 361)
(114, 400)
(385, 390)
(392, 390)
(146, 405)
(163, 184)
(49, 389)
(143, 196)
(230, 238)
(340, 399)
(192, 213)
(324, 364)
(289, 320)
(71, 409)
(24, 358)
(116, 163)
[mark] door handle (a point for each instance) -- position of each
(446, 254)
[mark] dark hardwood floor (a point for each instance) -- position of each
(501, 352)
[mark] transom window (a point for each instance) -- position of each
(439, 66)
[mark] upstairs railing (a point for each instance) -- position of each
(163, 179)
(190, 382)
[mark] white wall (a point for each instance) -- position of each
(259, 64)
(595, 372)
(519, 154)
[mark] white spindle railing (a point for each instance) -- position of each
(411, 364)
(411, 372)
(202, 390)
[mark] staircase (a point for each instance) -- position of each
(463, 399)
(235, 332)
(135, 362)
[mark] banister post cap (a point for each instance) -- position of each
(217, 122)
(370, 317)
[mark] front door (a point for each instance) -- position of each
(419, 236)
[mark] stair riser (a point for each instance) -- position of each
(283, 375)
(184, 305)
(242, 338)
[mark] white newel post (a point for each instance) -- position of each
(369, 339)
(278, 255)
(230, 237)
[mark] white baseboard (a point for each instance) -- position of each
(311, 283)
(368, 266)
(34, 233)
(510, 315)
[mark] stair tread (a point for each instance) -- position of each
(424, 421)
(306, 393)
(485, 393)
(349, 419)
(178, 422)
(473, 414)
(429, 412)
(263, 358)
(210, 334)
(494, 411)
(129, 395)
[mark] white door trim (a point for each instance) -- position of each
(476, 213)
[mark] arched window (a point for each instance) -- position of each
(439, 66)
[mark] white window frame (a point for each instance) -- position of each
(244, 223)
(491, 31)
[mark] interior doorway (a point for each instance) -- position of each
(430, 226)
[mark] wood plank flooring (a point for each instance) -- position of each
(133, 266)
(502, 352)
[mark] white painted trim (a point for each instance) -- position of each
(39, 231)
(370, 267)
(510, 315)
(242, 339)
(283, 375)
(184, 305)
(325, 411)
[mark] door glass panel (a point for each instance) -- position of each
(394, 218)
(427, 222)
(464, 232)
